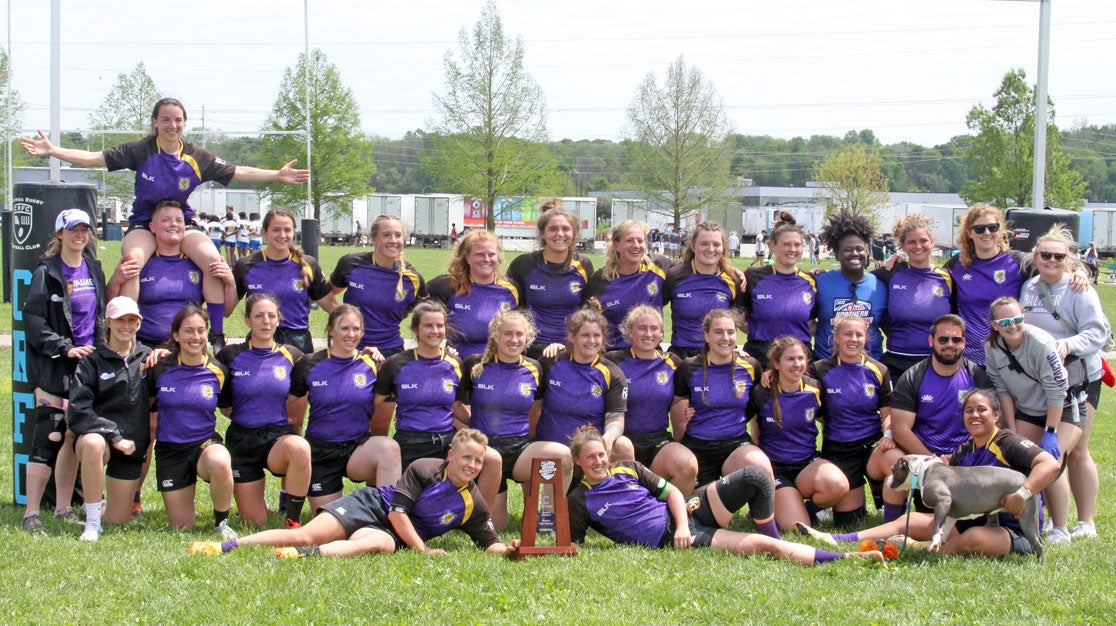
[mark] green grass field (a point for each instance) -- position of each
(143, 573)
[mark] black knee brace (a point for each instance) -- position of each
(48, 421)
(751, 486)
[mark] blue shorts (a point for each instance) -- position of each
(254, 245)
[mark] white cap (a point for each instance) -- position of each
(70, 218)
(120, 306)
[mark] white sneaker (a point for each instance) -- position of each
(1058, 535)
(227, 534)
(1047, 525)
(1084, 529)
(91, 533)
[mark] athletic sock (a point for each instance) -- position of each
(892, 512)
(136, 497)
(219, 516)
(812, 509)
(230, 545)
(93, 515)
(294, 507)
(282, 500)
(216, 312)
(825, 556)
(769, 528)
(842, 537)
(309, 550)
(848, 519)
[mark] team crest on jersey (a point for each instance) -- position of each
(447, 518)
(652, 289)
(662, 378)
(280, 372)
(809, 415)
(195, 277)
(360, 380)
(447, 385)
(399, 295)
(575, 288)
(525, 390)
(961, 397)
(807, 297)
(596, 391)
(298, 284)
(183, 184)
(999, 276)
(207, 392)
(505, 306)
(693, 504)
(870, 391)
(740, 387)
(722, 297)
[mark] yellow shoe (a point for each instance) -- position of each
(208, 548)
(911, 544)
(287, 553)
(816, 535)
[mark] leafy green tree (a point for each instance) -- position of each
(678, 146)
(341, 165)
(852, 181)
(491, 121)
(1002, 156)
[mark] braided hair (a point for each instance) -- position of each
(778, 348)
(490, 348)
(296, 253)
(373, 230)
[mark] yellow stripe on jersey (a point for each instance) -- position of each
(511, 289)
(580, 270)
(809, 278)
(467, 500)
(530, 368)
(217, 373)
(367, 358)
(623, 470)
(189, 160)
(872, 367)
(648, 266)
(285, 352)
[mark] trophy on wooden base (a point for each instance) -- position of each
(544, 472)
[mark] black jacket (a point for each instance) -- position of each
(108, 395)
(47, 321)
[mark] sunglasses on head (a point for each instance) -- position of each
(1007, 322)
(1057, 256)
(945, 341)
(980, 229)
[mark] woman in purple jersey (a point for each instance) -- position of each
(704, 280)
(786, 426)
(62, 321)
(917, 294)
(552, 280)
(338, 382)
(419, 387)
(629, 504)
(170, 279)
(629, 278)
(502, 389)
(265, 433)
(169, 168)
(717, 384)
(184, 388)
(856, 407)
(296, 279)
(473, 291)
(382, 285)
(581, 386)
(779, 299)
(652, 405)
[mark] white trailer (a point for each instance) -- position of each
(1103, 231)
(436, 216)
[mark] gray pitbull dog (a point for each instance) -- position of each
(957, 493)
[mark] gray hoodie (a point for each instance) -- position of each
(1040, 362)
(1082, 311)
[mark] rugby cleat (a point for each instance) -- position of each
(208, 548)
(817, 535)
(287, 553)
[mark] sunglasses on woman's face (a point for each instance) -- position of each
(1057, 256)
(980, 229)
(1008, 322)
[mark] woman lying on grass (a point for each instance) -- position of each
(432, 498)
(628, 504)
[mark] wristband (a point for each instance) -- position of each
(1024, 493)
(887, 433)
(1053, 430)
